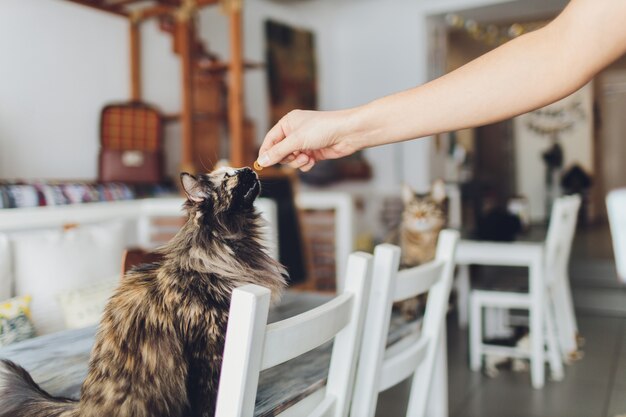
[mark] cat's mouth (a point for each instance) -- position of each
(422, 225)
(249, 184)
(253, 192)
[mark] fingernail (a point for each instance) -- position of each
(264, 160)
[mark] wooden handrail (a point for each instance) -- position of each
(117, 3)
(155, 11)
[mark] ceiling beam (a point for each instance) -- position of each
(101, 7)
(201, 3)
(154, 11)
(117, 3)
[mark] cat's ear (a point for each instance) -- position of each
(192, 187)
(438, 191)
(408, 194)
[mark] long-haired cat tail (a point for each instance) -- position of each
(158, 349)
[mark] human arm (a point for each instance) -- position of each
(524, 74)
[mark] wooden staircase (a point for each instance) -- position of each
(212, 91)
(209, 99)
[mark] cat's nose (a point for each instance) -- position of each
(247, 173)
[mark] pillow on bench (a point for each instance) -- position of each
(84, 307)
(47, 263)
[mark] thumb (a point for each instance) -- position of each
(278, 152)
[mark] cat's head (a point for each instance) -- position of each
(225, 191)
(424, 212)
(223, 234)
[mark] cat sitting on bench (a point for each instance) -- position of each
(158, 349)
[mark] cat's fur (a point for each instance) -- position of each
(494, 361)
(423, 217)
(158, 350)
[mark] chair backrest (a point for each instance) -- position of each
(381, 368)
(252, 345)
(560, 236)
(343, 206)
(616, 206)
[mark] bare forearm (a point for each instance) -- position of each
(478, 93)
(526, 73)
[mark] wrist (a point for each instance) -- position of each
(360, 131)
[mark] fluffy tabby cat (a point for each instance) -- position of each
(158, 350)
(423, 217)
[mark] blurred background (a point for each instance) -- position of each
(108, 100)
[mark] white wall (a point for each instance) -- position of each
(577, 145)
(382, 51)
(161, 87)
(59, 63)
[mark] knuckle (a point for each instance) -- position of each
(294, 113)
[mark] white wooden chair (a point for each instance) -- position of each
(616, 206)
(422, 354)
(559, 241)
(252, 345)
(548, 299)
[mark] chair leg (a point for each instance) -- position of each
(433, 401)
(554, 353)
(475, 333)
(462, 292)
(439, 396)
(565, 318)
(496, 323)
(537, 344)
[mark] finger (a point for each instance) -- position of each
(289, 158)
(308, 166)
(300, 161)
(275, 135)
(278, 152)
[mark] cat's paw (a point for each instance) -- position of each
(574, 356)
(520, 365)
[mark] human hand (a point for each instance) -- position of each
(303, 137)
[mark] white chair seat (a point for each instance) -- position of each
(503, 299)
